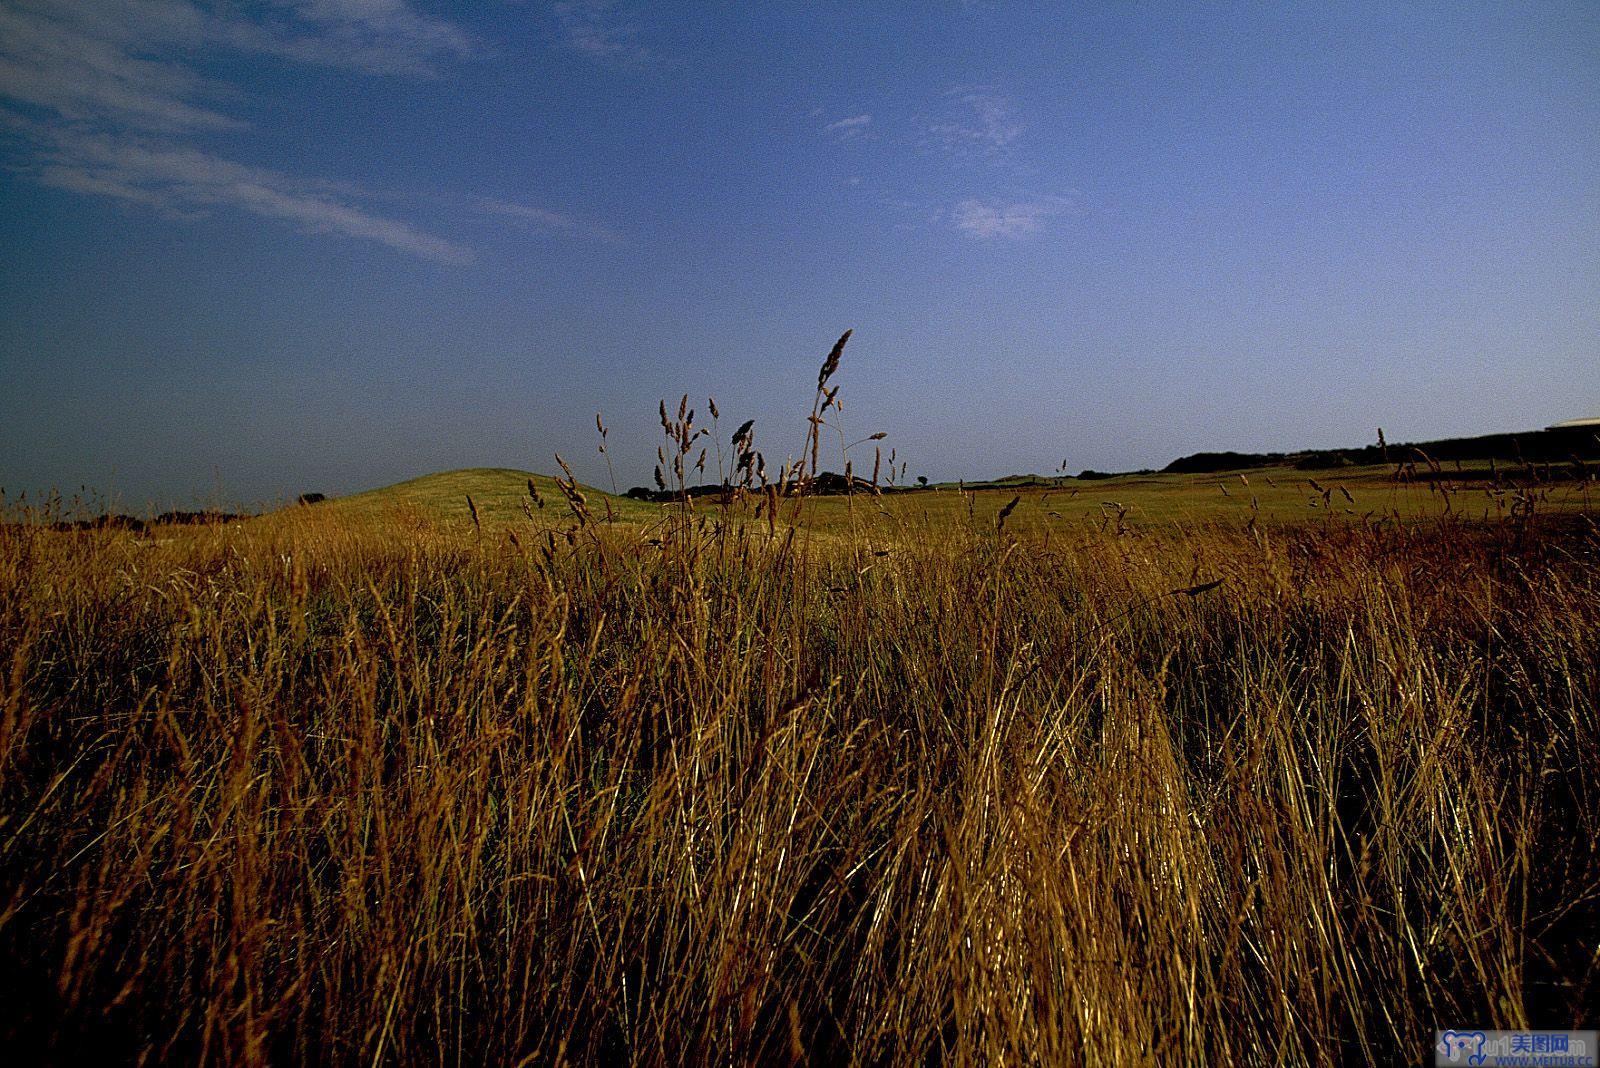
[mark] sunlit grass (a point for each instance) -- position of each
(1291, 774)
(332, 790)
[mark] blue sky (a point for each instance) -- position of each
(258, 249)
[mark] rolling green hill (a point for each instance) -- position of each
(1280, 493)
(498, 492)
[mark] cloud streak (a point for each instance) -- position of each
(851, 127)
(987, 219)
(978, 122)
(86, 59)
(53, 58)
(186, 181)
(603, 30)
(382, 36)
(112, 109)
(545, 219)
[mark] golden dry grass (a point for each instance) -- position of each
(353, 792)
(836, 781)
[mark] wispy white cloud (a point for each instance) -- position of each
(1002, 219)
(600, 29)
(378, 35)
(545, 219)
(186, 181)
(976, 122)
(850, 127)
(82, 68)
(83, 58)
(113, 97)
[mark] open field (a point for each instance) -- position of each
(499, 494)
(1338, 496)
(1270, 495)
(354, 783)
(1028, 534)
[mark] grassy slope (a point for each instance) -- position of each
(1271, 494)
(1281, 494)
(498, 492)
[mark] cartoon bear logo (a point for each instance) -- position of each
(1463, 1047)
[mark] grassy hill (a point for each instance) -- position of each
(499, 494)
(1485, 477)
(1282, 494)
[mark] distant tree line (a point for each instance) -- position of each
(1555, 446)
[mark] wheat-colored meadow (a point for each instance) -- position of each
(719, 788)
